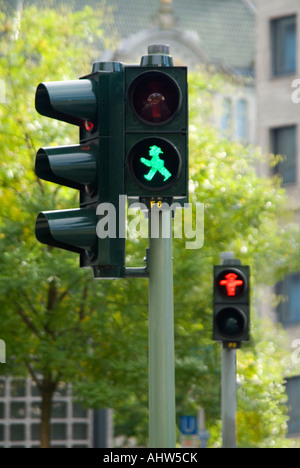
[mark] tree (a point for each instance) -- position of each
(45, 299)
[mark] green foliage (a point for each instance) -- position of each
(61, 325)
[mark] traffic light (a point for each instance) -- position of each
(231, 304)
(95, 167)
(156, 128)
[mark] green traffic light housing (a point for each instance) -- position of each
(94, 167)
(156, 128)
(70, 101)
(133, 141)
(72, 230)
(72, 166)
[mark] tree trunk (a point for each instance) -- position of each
(45, 434)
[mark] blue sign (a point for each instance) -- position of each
(188, 425)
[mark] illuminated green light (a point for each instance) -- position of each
(159, 167)
(156, 164)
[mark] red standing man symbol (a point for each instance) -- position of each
(231, 282)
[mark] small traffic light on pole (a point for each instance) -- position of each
(156, 127)
(231, 303)
(95, 167)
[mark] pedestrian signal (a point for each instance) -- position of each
(231, 304)
(156, 129)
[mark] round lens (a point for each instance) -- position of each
(231, 283)
(155, 98)
(231, 322)
(154, 163)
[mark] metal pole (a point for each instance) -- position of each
(103, 433)
(229, 390)
(229, 398)
(162, 432)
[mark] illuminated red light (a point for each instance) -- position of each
(231, 282)
(89, 125)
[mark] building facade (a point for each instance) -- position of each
(20, 414)
(278, 132)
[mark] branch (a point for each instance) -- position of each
(52, 296)
(29, 303)
(28, 322)
(67, 290)
(33, 376)
(84, 297)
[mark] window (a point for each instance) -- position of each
(284, 143)
(2, 388)
(80, 431)
(2, 431)
(20, 412)
(17, 410)
(58, 431)
(59, 409)
(242, 120)
(79, 411)
(2, 410)
(17, 432)
(293, 391)
(233, 119)
(227, 114)
(289, 306)
(18, 388)
(35, 431)
(284, 31)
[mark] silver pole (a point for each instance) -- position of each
(229, 389)
(162, 432)
(229, 398)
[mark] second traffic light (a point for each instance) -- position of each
(156, 128)
(231, 304)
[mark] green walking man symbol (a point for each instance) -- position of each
(156, 163)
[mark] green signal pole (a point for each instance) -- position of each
(162, 432)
